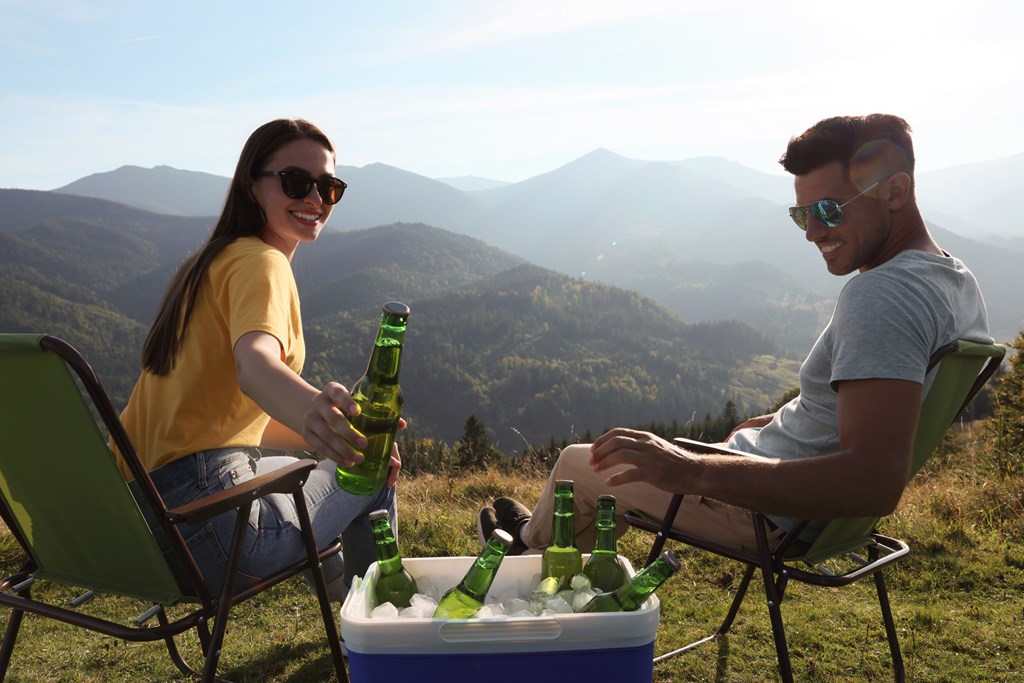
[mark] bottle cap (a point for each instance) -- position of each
(378, 514)
(671, 558)
(606, 496)
(503, 536)
(564, 484)
(397, 308)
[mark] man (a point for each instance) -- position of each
(842, 447)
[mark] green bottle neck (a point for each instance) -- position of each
(386, 357)
(480, 576)
(605, 540)
(633, 593)
(389, 560)
(563, 523)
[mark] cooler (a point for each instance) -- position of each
(563, 647)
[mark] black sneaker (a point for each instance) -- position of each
(511, 515)
(486, 523)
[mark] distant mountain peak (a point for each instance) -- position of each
(163, 189)
(472, 183)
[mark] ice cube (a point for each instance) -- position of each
(515, 604)
(581, 598)
(384, 611)
(425, 586)
(492, 611)
(411, 613)
(557, 604)
(423, 603)
(522, 613)
(579, 582)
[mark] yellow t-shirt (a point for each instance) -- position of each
(198, 404)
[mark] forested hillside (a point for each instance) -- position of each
(522, 348)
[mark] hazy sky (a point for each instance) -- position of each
(503, 90)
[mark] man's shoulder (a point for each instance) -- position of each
(907, 269)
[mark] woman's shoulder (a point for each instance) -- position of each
(252, 249)
(248, 246)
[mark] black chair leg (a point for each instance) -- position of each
(774, 598)
(213, 650)
(740, 594)
(890, 629)
(321, 588)
(10, 635)
(778, 629)
(172, 648)
(666, 526)
(734, 608)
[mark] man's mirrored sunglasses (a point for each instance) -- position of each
(826, 211)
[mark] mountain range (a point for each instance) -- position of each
(607, 291)
(534, 354)
(707, 237)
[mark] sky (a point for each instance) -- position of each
(502, 90)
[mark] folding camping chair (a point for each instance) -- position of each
(961, 368)
(66, 502)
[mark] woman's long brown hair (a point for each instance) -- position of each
(242, 216)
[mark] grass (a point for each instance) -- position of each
(958, 598)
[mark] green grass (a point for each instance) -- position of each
(958, 598)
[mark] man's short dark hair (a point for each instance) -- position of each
(875, 146)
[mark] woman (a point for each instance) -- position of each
(221, 366)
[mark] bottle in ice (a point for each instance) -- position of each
(603, 568)
(466, 598)
(380, 404)
(562, 559)
(394, 582)
(632, 594)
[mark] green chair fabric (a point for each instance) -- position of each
(65, 500)
(958, 372)
(52, 450)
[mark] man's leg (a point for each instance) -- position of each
(708, 518)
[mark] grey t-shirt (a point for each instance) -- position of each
(887, 323)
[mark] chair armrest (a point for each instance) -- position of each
(284, 480)
(701, 447)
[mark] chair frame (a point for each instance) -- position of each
(15, 590)
(781, 564)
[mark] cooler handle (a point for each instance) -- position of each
(482, 630)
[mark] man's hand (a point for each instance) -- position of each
(653, 459)
(865, 477)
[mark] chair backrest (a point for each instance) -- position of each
(61, 492)
(960, 370)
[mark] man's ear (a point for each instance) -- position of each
(896, 190)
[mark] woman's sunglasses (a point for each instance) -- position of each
(296, 183)
(825, 211)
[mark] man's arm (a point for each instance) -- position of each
(877, 419)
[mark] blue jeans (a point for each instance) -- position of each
(273, 539)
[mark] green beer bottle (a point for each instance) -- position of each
(603, 568)
(394, 582)
(380, 404)
(562, 559)
(629, 596)
(466, 598)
